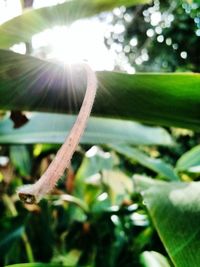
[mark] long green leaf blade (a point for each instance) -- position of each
(157, 165)
(53, 128)
(162, 99)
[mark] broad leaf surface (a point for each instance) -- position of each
(175, 211)
(23, 27)
(163, 99)
(53, 128)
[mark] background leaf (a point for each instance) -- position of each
(175, 211)
(20, 157)
(190, 161)
(53, 128)
(157, 165)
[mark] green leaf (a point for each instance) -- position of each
(23, 27)
(20, 157)
(69, 259)
(151, 97)
(157, 165)
(117, 181)
(34, 84)
(190, 161)
(153, 259)
(8, 238)
(88, 176)
(53, 128)
(175, 211)
(95, 161)
(119, 185)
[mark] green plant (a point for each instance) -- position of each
(99, 216)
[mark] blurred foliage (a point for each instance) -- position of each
(102, 233)
(93, 218)
(161, 37)
(96, 216)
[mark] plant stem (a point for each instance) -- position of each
(33, 193)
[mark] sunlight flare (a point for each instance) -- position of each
(83, 40)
